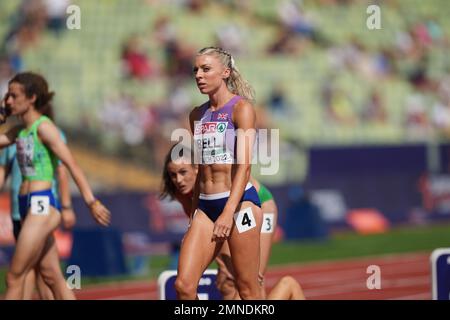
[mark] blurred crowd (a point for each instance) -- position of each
(25, 29)
(296, 30)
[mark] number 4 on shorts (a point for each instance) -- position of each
(244, 220)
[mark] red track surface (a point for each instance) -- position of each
(405, 276)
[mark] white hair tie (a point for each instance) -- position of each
(232, 62)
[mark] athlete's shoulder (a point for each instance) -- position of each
(43, 119)
(47, 129)
(243, 109)
(244, 106)
(45, 123)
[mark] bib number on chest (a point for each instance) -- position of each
(25, 154)
(211, 142)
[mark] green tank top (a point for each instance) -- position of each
(36, 161)
(264, 194)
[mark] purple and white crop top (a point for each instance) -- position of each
(214, 134)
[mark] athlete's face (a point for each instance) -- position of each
(16, 99)
(209, 73)
(183, 175)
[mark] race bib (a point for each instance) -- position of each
(40, 205)
(268, 223)
(210, 141)
(25, 154)
(244, 220)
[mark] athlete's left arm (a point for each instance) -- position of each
(51, 137)
(244, 118)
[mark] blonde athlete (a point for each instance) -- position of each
(226, 205)
(179, 177)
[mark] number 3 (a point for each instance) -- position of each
(269, 225)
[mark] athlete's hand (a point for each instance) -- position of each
(68, 218)
(222, 227)
(100, 213)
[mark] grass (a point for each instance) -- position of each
(350, 245)
(340, 246)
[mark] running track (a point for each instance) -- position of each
(403, 276)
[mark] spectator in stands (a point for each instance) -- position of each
(277, 101)
(232, 38)
(374, 110)
(122, 116)
(195, 6)
(417, 122)
(294, 18)
(163, 30)
(27, 26)
(434, 30)
(179, 100)
(136, 64)
(284, 43)
(337, 103)
(178, 59)
(6, 72)
(384, 63)
(440, 115)
(56, 14)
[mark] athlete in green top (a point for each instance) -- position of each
(60, 189)
(36, 161)
(38, 146)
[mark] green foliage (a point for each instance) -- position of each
(349, 244)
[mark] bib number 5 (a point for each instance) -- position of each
(40, 205)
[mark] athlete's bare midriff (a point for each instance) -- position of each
(216, 178)
(35, 185)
